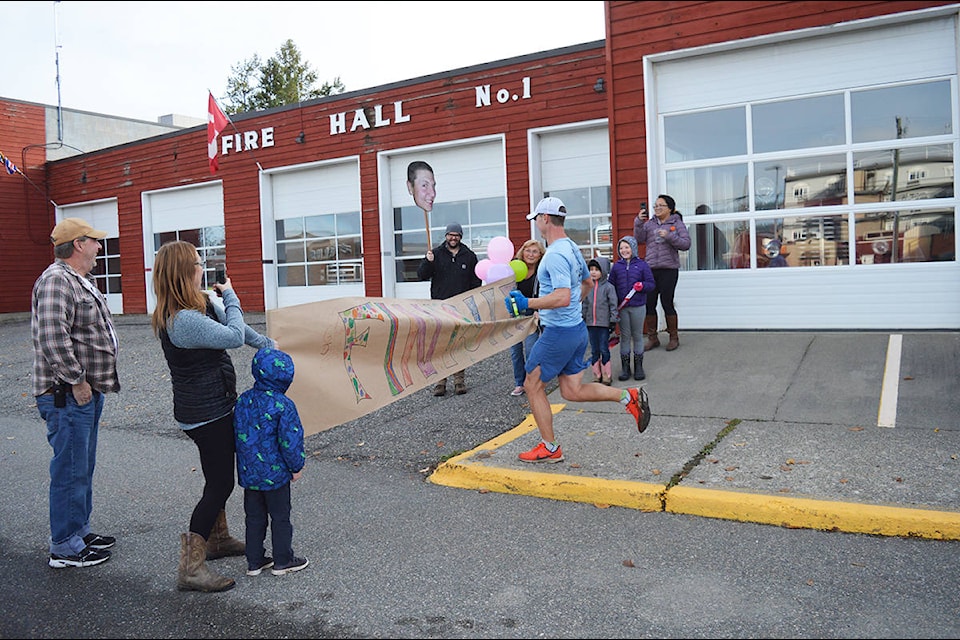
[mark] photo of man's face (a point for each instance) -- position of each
(423, 188)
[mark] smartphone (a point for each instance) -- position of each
(221, 273)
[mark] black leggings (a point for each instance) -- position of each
(666, 280)
(218, 461)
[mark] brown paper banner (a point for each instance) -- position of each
(356, 355)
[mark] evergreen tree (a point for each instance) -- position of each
(283, 79)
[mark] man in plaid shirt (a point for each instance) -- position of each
(75, 363)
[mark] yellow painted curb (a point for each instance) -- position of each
(804, 513)
(469, 471)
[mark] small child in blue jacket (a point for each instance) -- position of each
(270, 456)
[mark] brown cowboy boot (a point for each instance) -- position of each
(192, 572)
(672, 330)
(650, 330)
(221, 544)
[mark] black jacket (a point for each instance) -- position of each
(449, 274)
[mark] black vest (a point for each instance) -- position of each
(204, 380)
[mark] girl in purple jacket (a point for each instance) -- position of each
(632, 278)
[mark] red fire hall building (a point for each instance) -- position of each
(825, 133)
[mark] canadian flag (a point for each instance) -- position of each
(217, 121)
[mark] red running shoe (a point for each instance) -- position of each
(540, 453)
(639, 408)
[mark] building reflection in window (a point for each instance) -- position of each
(921, 236)
(319, 250)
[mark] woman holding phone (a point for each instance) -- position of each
(195, 335)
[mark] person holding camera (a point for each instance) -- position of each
(664, 236)
(195, 335)
(74, 365)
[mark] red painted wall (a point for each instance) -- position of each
(26, 218)
(440, 109)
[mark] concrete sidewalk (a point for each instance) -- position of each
(795, 442)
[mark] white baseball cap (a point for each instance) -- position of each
(551, 206)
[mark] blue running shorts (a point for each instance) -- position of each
(559, 350)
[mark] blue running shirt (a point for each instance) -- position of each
(562, 267)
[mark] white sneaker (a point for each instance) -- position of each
(517, 391)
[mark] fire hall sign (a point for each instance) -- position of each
(375, 118)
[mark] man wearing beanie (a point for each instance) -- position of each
(451, 269)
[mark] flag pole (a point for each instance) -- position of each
(12, 169)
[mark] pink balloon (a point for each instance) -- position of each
(482, 267)
(499, 271)
(500, 250)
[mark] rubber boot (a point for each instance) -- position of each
(221, 544)
(672, 330)
(625, 368)
(650, 330)
(595, 367)
(638, 373)
(606, 373)
(192, 572)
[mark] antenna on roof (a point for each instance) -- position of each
(56, 38)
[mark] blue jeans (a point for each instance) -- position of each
(257, 505)
(519, 362)
(599, 344)
(72, 432)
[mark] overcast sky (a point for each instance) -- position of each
(147, 59)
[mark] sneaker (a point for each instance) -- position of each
(540, 453)
(95, 541)
(296, 565)
(266, 563)
(86, 558)
(440, 390)
(460, 389)
(517, 391)
(639, 408)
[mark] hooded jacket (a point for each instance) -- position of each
(663, 255)
(599, 306)
(625, 273)
(267, 425)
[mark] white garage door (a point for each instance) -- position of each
(312, 235)
(834, 60)
(102, 215)
(471, 190)
(189, 213)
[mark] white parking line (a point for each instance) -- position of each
(889, 392)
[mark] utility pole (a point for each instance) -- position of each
(56, 38)
(893, 195)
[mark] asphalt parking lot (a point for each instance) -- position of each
(393, 554)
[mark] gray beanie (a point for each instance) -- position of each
(454, 227)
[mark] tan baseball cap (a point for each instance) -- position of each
(69, 229)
